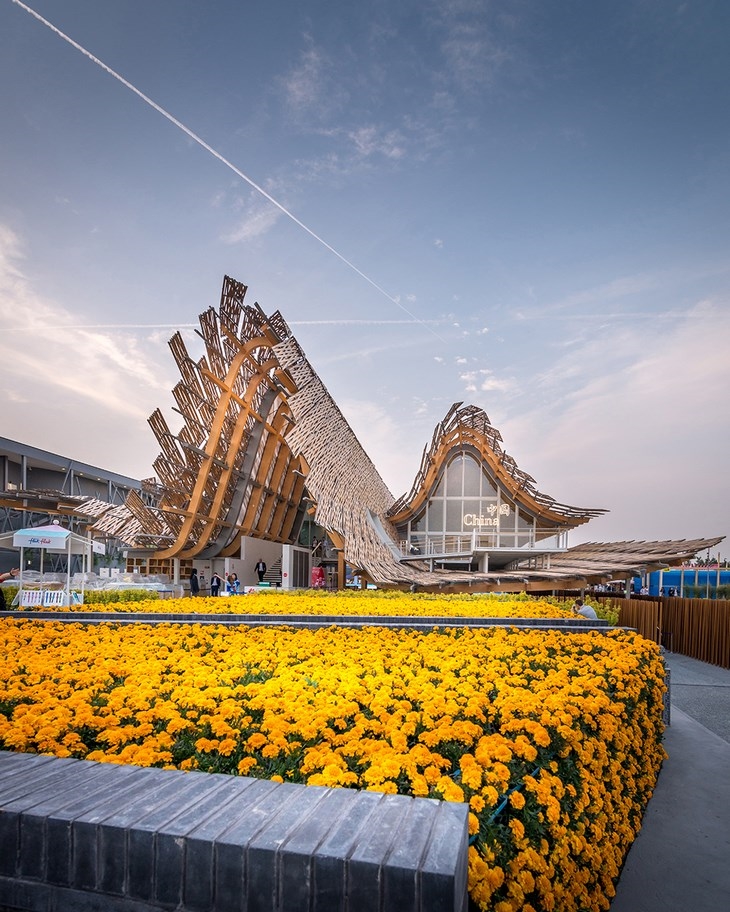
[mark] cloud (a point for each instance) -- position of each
(371, 140)
(471, 50)
(365, 353)
(344, 321)
(637, 423)
(82, 382)
(258, 218)
(313, 90)
(303, 85)
(483, 380)
(389, 442)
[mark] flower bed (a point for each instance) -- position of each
(381, 603)
(553, 739)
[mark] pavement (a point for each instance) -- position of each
(680, 861)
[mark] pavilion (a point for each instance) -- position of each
(265, 462)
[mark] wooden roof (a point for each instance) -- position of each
(469, 428)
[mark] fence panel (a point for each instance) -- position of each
(698, 628)
(645, 615)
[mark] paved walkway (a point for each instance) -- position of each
(680, 861)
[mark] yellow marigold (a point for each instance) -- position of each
(476, 803)
(256, 741)
(518, 830)
(495, 876)
(206, 745)
(517, 800)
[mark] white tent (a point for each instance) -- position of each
(59, 540)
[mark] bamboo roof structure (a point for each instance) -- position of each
(263, 444)
(469, 428)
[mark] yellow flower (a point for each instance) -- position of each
(517, 800)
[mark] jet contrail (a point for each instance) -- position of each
(215, 154)
(344, 322)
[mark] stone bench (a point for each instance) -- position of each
(78, 836)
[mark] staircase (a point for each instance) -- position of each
(273, 573)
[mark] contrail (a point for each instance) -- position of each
(215, 154)
(90, 326)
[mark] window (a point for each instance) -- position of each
(455, 477)
(472, 479)
(464, 501)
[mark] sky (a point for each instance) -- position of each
(522, 205)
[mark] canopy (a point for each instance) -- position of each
(52, 538)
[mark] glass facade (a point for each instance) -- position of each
(468, 511)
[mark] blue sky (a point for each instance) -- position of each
(528, 200)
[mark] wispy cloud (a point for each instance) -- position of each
(472, 51)
(637, 423)
(394, 451)
(303, 85)
(258, 219)
(370, 140)
(346, 322)
(313, 89)
(365, 353)
(484, 380)
(618, 289)
(80, 380)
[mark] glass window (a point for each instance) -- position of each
(472, 478)
(506, 513)
(525, 520)
(471, 513)
(439, 492)
(436, 516)
(454, 475)
(419, 525)
(488, 487)
(454, 516)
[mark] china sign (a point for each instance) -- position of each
(493, 513)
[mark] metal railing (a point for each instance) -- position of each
(429, 544)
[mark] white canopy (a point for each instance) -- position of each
(52, 538)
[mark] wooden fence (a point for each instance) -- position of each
(698, 628)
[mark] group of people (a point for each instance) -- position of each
(232, 586)
(232, 583)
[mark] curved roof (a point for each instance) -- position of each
(469, 427)
(263, 443)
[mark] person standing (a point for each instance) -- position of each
(260, 569)
(194, 584)
(215, 584)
